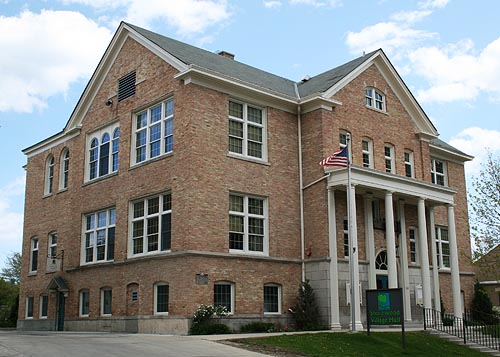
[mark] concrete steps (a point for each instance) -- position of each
(460, 341)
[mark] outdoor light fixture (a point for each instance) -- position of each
(109, 102)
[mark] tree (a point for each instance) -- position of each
(12, 272)
(306, 313)
(484, 202)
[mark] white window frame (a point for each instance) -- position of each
(390, 166)
(34, 248)
(440, 243)
(42, 298)
(408, 158)
(145, 218)
(231, 286)
(367, 152)
(99, 134)
(80, 304)
(30, 300)
(156, 312)
(64, 169)
(52, 245)
(246, 216)
(436, 174)
(413, 241)
(278, 287)
(49, 175)
(375, 99)
(104, 291)
(91, 234)
(245, 137)
(165, 121)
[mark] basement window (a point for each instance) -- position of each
(126, 86)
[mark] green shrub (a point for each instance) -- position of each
(306, 312)
(482, 306)
(257, 326)
(209, 329)
(205, 312)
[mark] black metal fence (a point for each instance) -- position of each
(474, 326)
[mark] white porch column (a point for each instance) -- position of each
(354, 266)
(403, 253)
(455, 272)
(424, 254)
(334, 280)
(435, 266)
(391, 241)
(370, 242)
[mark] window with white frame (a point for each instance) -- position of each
(102, 152)
(409, 172)
(366, 145)
(151, 225)
(346, 237)
(438, 172)
(30, 302)
(34, 255)
(153, 133)
(412, 232)
(52, 253)
(99, 236)
(106, 301)
(84, 303)
(442, 247)
(343, 139)
(272, 299)
(224, 295)
(161, 298)
(247, 130)
(247, 224)
(64, 170)
(374, 99)
(44, 305)
(49, 175)
(389, 158)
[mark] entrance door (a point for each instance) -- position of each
(382, 281)
(61, 301)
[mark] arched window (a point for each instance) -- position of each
(114, 150)
(381, 261)
(104, 155)
(49, 174)
(64, 169)
(93, 157)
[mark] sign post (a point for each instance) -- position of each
(385, 307)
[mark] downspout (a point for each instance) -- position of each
(301, 197)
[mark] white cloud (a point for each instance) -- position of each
(477, 142)
(272, 4)
(11, 222)
(46, 53)
(317, 3)
(433, 4)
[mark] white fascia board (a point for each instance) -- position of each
(318, 102)
(399, 185)
(49, 143)
(233, 86)
(440, 152)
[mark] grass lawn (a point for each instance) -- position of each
(360, 344)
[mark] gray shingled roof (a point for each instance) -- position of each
(443, 145)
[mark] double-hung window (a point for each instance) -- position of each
(151, 225)
(272, 299)
(99, 236)
(409, 172)
(346, 237)
(366, 145)
(106, 301)
(375, 99)
(44, 306)
(413, 245)
(49, 175)
(389, 158)
(64, 170)
(84, 303)
(34, 255)
(247, 130)
(52, 245)
(161, 298)
(102, 152)
(30, 302)
(224, 295)
(153, 134)
(438, 172)
(247, 224)
(443, 247)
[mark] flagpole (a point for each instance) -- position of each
(350, 235)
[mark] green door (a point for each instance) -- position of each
(61, 300)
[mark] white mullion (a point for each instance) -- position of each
(163, 119)
(245, 224)
(245, 130)
(148, 122)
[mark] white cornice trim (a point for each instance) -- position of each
(49, 143)
(448, 154)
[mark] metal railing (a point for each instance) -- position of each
(473, 327)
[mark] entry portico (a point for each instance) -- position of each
(397, 193)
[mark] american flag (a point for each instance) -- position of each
(338, 158)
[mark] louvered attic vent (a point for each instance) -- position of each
(126, 86)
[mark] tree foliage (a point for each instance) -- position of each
(12, 271)
(306, 312)
(484, 203)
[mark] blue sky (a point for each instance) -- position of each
(448, 53)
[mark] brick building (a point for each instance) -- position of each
(488, 276)
(185, 177)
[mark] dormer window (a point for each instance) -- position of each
(375, 99)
